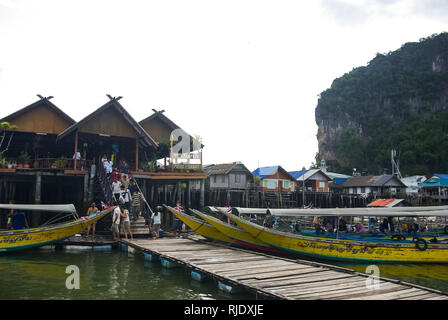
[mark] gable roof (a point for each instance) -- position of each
(385, 203)
(42, 101)
(267, 171)
(113, 103)
(440, 175)
(370, 181)
(306, 174)
(432, 182)
(225, 168)
(158, 115)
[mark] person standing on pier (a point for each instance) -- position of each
(155, 223)
(177, 223)
(90, 212)
(126, 223)
(116, 223)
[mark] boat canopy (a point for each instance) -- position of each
(432, 211)
(250, 210)
(70, 208)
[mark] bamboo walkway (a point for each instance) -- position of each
(274, 277)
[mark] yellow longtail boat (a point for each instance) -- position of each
(338, 246)
(12, 240)
(200, 226)
(239, 235)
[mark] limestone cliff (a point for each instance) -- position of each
(398, 101)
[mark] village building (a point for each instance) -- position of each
(275, 179)
(315, 180)
(66, 158)
(435, 189)
(413, 184)
(384, 185)
(228, 183)
(228, 176)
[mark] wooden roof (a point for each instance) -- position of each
(41, 116)
(226, 168)
(370, 181)
(111, 119)
(160, 126)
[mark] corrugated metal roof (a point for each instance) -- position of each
(297, 174)
(368, 181)
(225, 168)
(385, 203)
(441, 175)
(434, 183)
(265, 171)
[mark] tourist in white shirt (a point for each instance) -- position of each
(116, 224)
(156, 222)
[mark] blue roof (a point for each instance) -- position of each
(264, 171)
(434, 183)
(441, 175)
(297, 174)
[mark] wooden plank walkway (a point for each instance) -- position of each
(275, 277)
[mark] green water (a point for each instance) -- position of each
(41, 274)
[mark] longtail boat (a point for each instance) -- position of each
(237, 234)
(353, 247)
(12, 240)
(201, 227)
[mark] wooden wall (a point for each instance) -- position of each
(157, 129)
(40, 119)
(109, 122)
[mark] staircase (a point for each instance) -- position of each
(138, 228)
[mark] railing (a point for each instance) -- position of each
(104, 183)
(50, 164)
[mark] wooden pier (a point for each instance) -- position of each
(274, 277)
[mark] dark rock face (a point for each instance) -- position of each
(398, 101)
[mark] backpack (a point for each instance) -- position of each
(121, 199)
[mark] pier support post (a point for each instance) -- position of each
(91, 182)
(202, 201)
(35, 218)
(189, 193)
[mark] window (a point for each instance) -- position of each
(270, 184)
(322, 184)
(223, 178)
(363, 189)
(237, 178)
(214, 179)
(286, 184)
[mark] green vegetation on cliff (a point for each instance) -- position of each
(398, 101)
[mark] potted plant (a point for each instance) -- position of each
(24, 158)
(60, 163)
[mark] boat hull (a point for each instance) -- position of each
(240, 236)
(348, 250)
(201, 227)
(13, 240)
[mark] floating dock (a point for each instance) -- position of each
(274, 277)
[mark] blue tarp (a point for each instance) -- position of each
(297, 174)
(441, 175)
(434, 183)
(264, 171)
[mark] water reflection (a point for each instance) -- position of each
(103, 275)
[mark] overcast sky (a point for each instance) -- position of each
(244, 75)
